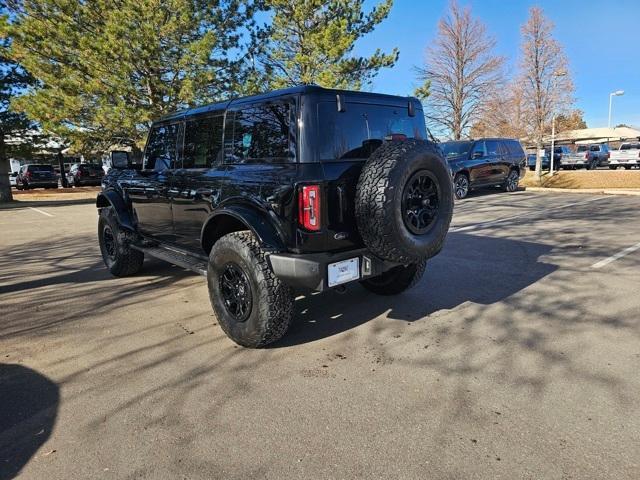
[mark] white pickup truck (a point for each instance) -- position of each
(627, 156)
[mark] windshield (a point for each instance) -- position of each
(456, 149)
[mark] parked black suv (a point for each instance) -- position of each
(36, 176)
(304, 188)
(485, 162)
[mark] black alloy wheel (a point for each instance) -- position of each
(461, 186)
(420, 202)
(511, 185)
(236, 292)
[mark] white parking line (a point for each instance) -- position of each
(542, 210)
(617, 256)
(41, 211)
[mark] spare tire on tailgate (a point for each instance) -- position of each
(404, 201)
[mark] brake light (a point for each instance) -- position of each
(309, 207)
(586, 156)
(608, 155)
(27, 174)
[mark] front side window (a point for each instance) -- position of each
(479, 150)
(358, 131)
(456, 148)
(260, 133)
(160, 153)
(202, 142)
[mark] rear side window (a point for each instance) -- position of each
(260, 133)
(202, 142)
(514, 148)
(361, 128)
(492, 147)
(160, 153)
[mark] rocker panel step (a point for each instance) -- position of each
(176, 257)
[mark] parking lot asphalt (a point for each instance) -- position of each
(517, 356)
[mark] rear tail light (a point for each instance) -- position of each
(309, 207)
(586, 156)
(27, 174)
(608, 155)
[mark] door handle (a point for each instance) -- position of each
(173, 191)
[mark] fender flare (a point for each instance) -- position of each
(256, 221)
(123, 213)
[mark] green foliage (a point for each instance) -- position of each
(106, 69)
(423, 91)
(311, 41)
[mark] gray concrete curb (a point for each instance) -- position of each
(601, 191)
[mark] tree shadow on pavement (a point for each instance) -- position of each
(28, 409)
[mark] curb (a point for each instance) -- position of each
(599, 191)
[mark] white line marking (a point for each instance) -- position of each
(617, 256)
(41, 211)
(521, 215)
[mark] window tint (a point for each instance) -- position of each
(260, 133)
(360, 129)
(40, 168)
(479, 150)
(202, 142)
(514, 147)
(492, 147)
(161, 147)
(630, 146)
(455, 149)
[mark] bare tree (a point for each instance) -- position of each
(503, 114)
(462, 71)
(544, 76)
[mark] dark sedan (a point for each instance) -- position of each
(485, 162)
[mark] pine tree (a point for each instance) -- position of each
(106, 69)
(312, 41)
(13, 79)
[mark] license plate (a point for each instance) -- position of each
(344, 271)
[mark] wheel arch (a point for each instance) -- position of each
(233, 218)
(123, 213)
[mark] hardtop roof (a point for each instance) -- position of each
(298, 90)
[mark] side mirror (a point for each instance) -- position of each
(120, 159)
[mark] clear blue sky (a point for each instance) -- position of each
(601, 40)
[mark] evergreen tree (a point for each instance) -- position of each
(312, 41)
(13, 79)
(106, 69)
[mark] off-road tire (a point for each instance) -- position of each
(272, 301)
(379, 198)
(396, 280)
(124, 260)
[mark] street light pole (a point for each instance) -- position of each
(617, 93)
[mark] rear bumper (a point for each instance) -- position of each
(310, 271)
(624, 162)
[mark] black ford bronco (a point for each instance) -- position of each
(299, 189)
